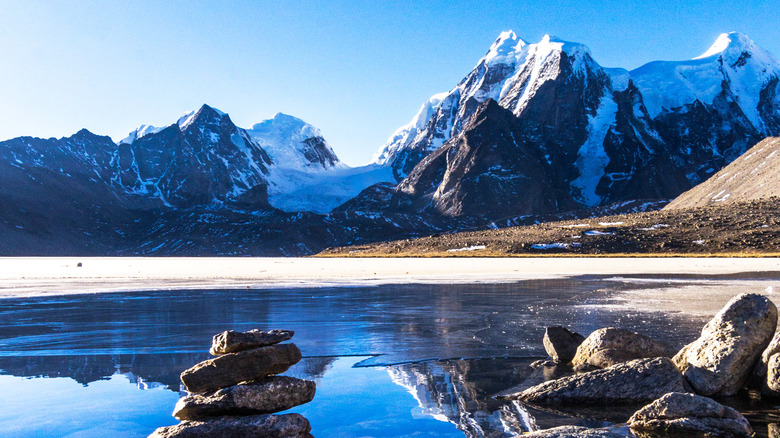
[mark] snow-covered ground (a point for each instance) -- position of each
(57, 276)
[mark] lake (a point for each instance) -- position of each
(389, 360)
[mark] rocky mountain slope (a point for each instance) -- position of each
(752, 176)
(598, 135)
(534, 132)
(750, 228)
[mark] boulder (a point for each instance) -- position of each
(266, 396)
(771, 384)
(233, 342)
(760, 370)
(609, 346)
(258, 426)
(677, 413)
(234, 368)
(578, 432)
(721, 359)
(637, 381)
(773, 430)
(561, 343)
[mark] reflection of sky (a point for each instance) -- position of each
(112, 343)
(59, 407)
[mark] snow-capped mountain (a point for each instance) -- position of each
(294, 144)
(587, 129)
(201, 159)
(710, 109)
(306, 175)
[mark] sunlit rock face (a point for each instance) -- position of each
(583, 135)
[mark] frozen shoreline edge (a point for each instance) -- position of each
(49, 276)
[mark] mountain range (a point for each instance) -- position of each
(533, 130)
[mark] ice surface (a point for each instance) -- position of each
(593, 159)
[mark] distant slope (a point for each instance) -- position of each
(749, 228)
(754, 175)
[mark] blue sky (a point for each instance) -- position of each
(356, 69)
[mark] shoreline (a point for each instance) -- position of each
(49, 276)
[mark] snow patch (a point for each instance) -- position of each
(597, 233)
(592, 158)
(556, 245)
(468, 248)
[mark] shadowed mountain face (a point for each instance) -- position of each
(600, 135)
(533, 131)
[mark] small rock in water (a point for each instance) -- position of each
(721, 360)
(258, 426)
(638, 381)
(561, 343)
(232, 342)
(678, 413)
(266, 396)
(234, 368)
(578, 432)
(609, 346)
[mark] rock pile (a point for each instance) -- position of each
(736, 348)
(233, 394)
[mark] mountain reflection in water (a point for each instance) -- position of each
(401, 358)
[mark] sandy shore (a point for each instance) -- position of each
(29, 276)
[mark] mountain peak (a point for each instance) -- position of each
(205, 111)
(728, 42)
(505, 45)
(551, 42)
(287, 126)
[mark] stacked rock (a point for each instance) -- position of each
(234, 393)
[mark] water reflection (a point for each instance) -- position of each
(423, 358)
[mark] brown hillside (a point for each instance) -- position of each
(748, 228)
(754, 175)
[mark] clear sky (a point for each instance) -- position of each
(356, 69)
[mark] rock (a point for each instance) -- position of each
(638, 381)
(233, 368)
(678, 413)
(578, 432)
(233, 342)
(771, 384)
(720, 361)
(543, 363)
(561, 343)
(258, 426)
(773, 430)
(266, 396)
(609, 346)
(760, 370)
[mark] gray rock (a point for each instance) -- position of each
(266, 396)
(760, 370)
(258, 426)
(579, 432)
(233, 342)
(561, 343)
(233, 368)
(609, 346)
(678, 413)
(636, 381)
(721, 360)
(771, 384)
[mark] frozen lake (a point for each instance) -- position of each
(389, 360)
